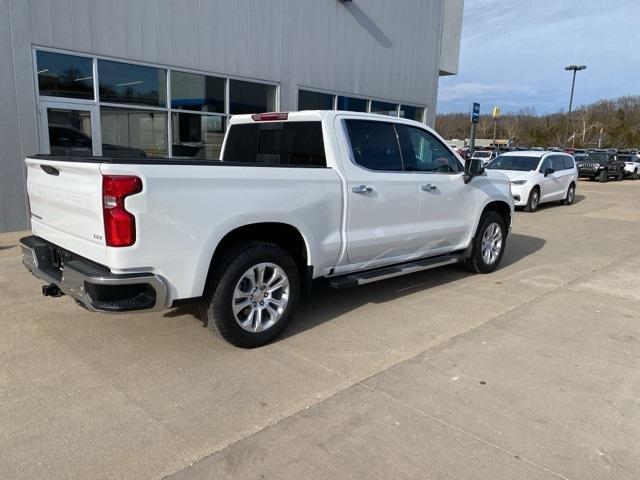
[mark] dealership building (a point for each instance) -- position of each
(160, 78)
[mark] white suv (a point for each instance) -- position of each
(538, 177)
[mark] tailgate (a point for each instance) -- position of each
(65, 198)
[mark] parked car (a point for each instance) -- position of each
(631, 161)
(601, 165)
(538, 177)
(485, 155)
(353, 197)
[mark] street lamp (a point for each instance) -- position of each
(575, 68)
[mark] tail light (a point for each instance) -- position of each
(119, 225)
(270, 116)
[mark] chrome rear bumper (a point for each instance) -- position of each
(92, 285)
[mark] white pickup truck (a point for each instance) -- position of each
(349, 196)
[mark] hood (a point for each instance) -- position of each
(514, 174)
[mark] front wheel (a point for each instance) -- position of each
(533, 201)
(604, 176)
(620, 175)
(634, 175)
(488, 244)
(251, 299)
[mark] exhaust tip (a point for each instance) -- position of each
(51, 290)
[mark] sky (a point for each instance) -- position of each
(513, 54)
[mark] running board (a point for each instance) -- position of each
(369, 276)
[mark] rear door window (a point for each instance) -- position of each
(276, 143)
(374, 145)
(568, 162)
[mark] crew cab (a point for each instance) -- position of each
(352, 197)
(601, 165)
(538, 177)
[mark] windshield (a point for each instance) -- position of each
(597, 156)
(482, 154)
(514, 162)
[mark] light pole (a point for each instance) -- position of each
(575, 69)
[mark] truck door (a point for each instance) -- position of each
(381, 198)
(446, 203)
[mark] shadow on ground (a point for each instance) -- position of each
(326, 303)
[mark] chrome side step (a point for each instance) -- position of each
(369, 276)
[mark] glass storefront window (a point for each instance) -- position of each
(352, 104)
(64, 75)
(133, 133)
(250, 97)
(133, 84)
(203, 93)
(384, 108)
(412, 113)
(308, 100)
(69, 132)
(197, 136)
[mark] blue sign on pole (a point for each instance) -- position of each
(475, 113)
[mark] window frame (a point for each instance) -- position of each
(96, 103)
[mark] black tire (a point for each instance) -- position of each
(620, 175)
(634, 175)
(570, 196)
(476, 262)
(218, 298)
(533, 201)
(604, 176)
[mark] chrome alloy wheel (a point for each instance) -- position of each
(260, 298)
(571, 195)
(491, 243)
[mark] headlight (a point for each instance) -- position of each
(518, 182)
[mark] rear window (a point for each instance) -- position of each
(276, 143)
(568, 162)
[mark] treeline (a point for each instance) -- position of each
(607, 123)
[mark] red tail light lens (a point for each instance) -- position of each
(269, 117)
(119, 225)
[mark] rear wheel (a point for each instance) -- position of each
(533, 201)
(571, 195)
(603, 177)
(488, 244)
(251, 299)
(634, 175)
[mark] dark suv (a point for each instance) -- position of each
(601, 165)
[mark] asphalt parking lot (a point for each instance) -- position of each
(529, 373)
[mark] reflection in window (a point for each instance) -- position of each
(250, 97)
(134, 84)
(384, 108)
(197, 136)
(64, 75)
(197, 92)
(423, 152)
(69, 132)
(133, 133)
(308, 100)
(352, 104)
(412, 113)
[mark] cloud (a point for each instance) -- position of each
(480, 91)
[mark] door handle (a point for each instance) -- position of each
(362, 189)
(429, 188)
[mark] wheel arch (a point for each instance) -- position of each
(286, 236)
(502, 208)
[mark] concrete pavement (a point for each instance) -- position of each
(531, 372)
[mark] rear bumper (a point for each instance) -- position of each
(92, 285)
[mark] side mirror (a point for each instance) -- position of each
(547, 171)
(472, 168)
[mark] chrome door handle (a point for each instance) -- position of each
(429, 188)
(362, 189)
